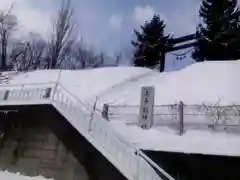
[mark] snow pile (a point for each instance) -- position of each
(160, 138)
(86, 84)
(18, 176)
(207, 82)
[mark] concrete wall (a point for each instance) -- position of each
(35, 150)
(46, 144)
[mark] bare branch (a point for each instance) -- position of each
(118, 58)
(28, 55)
(62, 39)
(8, 23)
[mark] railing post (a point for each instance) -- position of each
(21, 91)
(181, 117)
(218, 119)
(47, 93)
(6, 95)
(105, 111)
(54, 90)
(57, 83)
(138, 164)
(92, 115)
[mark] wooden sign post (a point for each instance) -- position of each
(145, 120)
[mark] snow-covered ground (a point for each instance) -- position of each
(192, 142)
(18, 176)
(208, 82)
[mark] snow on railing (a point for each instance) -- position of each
(131, 161)
(26, 92)
(5, 77)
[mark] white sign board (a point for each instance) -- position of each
(145, 120)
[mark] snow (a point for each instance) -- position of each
(192, 142)
(86, 84)
(18, 176)
(208, 82)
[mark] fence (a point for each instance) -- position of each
(181, 116)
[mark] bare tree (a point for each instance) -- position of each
(62, 36)
(17, 57)
(80, 55)
(102, 59)
(118, 58)
(95, 60)
(85, 57)
(38, 51)
(8, 23)
(28, 55)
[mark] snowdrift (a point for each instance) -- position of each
(207, 83)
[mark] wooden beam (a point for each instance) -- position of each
(184, 38)
(184, 46)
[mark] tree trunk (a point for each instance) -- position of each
(4, 52)
(162, 61)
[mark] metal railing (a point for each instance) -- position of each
(6, 76)
(25, 92)
(194, 116)
(131, 161)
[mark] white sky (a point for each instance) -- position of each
(30, 19)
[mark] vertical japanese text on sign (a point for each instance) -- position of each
(146, 108)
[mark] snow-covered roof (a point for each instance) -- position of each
(207, 82)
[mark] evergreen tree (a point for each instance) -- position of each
(218, 36)
(150, 44)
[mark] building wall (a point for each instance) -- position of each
(35, 150)
(38, 140)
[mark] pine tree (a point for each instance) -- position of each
(150, 44)
(218, 35)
